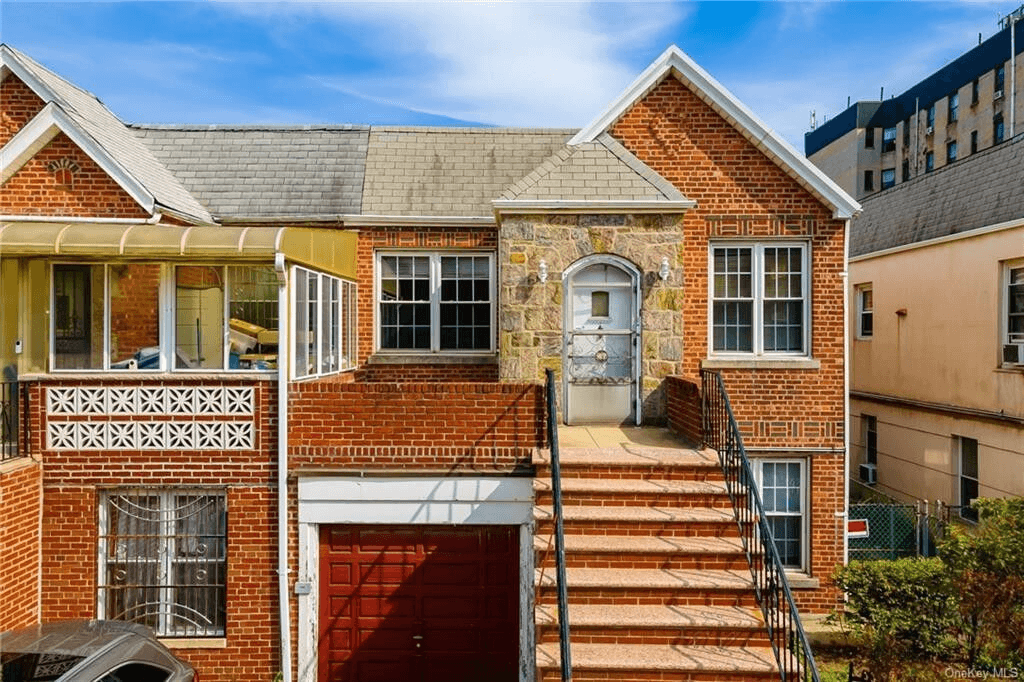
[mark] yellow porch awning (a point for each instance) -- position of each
(329, 249)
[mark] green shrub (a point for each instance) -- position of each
(986, 569)
(899, 611)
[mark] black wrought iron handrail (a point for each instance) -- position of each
(785, 631)
(13, 420)
(556, 508)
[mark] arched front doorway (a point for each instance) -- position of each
(601, 341)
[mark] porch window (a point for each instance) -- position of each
(325, 324)
(435, 302)
(784, 493)
(758, 299)
(106, 316)
(163, 560)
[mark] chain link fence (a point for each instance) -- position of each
(895, 529)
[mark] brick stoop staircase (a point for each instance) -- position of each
(659, 587)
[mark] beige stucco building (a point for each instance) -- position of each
(937, 333)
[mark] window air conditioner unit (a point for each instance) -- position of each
(1013, 353)
(929, 130)
(869, 473)
(998, 94)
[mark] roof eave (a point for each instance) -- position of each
(718, 97)
(592, 206)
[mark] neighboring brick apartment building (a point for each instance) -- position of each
(974, 102)
(351, 326)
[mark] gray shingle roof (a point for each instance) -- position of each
(602, 170)
(984, 189)
(265, 172)
(449, 171)
(93, 118)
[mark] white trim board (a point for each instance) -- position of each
(416, 500)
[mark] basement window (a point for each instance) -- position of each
(784, 495)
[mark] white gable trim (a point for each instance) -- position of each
(41, 130)
(673, 60)
(592, 206)
(9, 62)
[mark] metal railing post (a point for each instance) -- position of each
(556, 501)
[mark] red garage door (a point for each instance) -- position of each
(419, 603)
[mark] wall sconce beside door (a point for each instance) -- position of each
(542, 270)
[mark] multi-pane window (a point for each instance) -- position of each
(951, 151)
(163, 560)
(325, 323)
(929, 162)
(998, 131)
(865, 311)
(953, 109)
(931, 116)
(759, 295)
(1000, 81)
(889, 139)
(1015, 302)
(435, 302)
(888, 178)
(783, 496)
(968, 476)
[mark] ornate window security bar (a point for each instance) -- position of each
(789, 642)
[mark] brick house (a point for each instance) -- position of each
(251, 366)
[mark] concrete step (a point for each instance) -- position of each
(644, 551)
(633, 462)
(658, 520)
(577, 490)
(650, 586)
(656, 624)
(646, 662)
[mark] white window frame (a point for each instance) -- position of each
(166, 555)
(340, 316)
(758, 465)
(1008, 268)
(965, 513)
(757, 296)
(860, 290)
(435, 302)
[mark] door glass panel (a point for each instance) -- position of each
(78, 316)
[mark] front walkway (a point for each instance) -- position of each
(603, 436)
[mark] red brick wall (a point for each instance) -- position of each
(741, 194)
(134, 309)
(35, 190)
(427, 373)
(20, 500)
(18, 105)
(684, 409)
(421, 238)
(75, 479)
(465, 426)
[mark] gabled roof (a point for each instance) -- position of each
(674, 62)
(261, 172)
(449, 172)
(600, 174)
(979, 191)
(99, 133)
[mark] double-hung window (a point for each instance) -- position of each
(325, 323)
(163, 560)
(1013, 307)
(435, 302)
(759, 299)
(889, 139)
(865, 311)
(784, 495)
(967, 465)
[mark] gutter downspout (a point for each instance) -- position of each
(846, 391)
(282, 466)
(1013, 72)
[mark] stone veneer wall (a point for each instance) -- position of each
(531, 318)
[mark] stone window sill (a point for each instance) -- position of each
(431, 359)
(198, 643)
(760, 363)
(802, 581)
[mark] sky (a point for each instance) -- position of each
(524, 64)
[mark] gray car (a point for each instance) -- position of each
(89, 651)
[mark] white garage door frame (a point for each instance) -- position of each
(476, 500)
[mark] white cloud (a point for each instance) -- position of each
(521, 64)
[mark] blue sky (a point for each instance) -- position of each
(518, 64)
